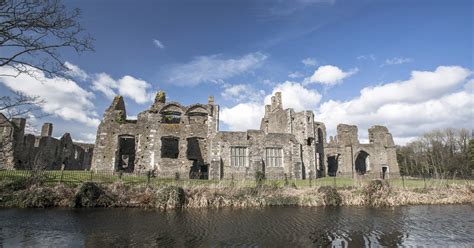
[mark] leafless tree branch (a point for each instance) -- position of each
(33, 32)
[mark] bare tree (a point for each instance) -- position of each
(33, 32)
(19, 104)
(438, 153)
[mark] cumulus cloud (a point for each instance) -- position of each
(309, 62)
(76, 72)
(397, 61)
(329, 75)
(469, 86)
(248, 115)
(127, 86)
(426, 101)
(213, 68)
(296, 96)
(64, 98)
(241, 92)
(243, 116)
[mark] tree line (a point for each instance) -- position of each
(441, 153)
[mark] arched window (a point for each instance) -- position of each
(362, 163)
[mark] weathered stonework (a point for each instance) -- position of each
(20, 151)
(170, 139)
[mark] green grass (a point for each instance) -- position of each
(78, 177)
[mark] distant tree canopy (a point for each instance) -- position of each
(33, 32)
(440, 153)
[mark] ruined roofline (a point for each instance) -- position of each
(276, 103)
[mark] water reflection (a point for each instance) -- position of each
(271, 227)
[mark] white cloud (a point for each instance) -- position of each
(63, 98)
(105, 84)
(135, 89)
(295, 74)
(248, 115)
(158, 44)
(397, 61)
(76, 72)
(213, 68)
(88, 138)
(296, 96)
(241, 92)
(469, 86)
(330, 75)
(243, 116)
(127, 86)
(422, 86)
(426, 101)
(309, 62)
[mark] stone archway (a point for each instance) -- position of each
(362, 163)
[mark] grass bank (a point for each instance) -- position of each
(28, 193)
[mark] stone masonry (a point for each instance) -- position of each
(170, 139)
(27, 151)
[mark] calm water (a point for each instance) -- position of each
(430, 226)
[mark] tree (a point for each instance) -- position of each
(19, 104)
(33, 32)
(438, 153)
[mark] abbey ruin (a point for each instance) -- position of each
(27, 151)
(169, 139)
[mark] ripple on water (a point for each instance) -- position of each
(270, 227)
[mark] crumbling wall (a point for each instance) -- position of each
(38, 152)
(255, 142)
(162, 134)
(171, 138)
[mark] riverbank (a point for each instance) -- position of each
(376, 193)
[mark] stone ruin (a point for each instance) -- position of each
(27, 151)
(169, 139)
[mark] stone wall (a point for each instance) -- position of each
(256, 142)
(20, 151)
(170, 139)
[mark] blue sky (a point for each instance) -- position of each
(404, 64)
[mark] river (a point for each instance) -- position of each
(429, 226)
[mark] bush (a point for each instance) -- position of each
(170, 197)
(36, 197)
(376, 193)
(21, 183)
(330, 196)
(259, 178)
(91, 195)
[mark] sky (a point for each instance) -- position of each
(407, 65)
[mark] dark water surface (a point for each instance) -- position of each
(429, 226)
